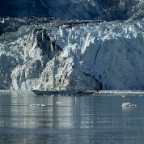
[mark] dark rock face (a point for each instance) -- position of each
(45, 43)
(12, 24)
(72, 9)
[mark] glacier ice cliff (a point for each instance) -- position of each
(42, 53)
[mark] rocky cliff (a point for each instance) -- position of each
(74, 9)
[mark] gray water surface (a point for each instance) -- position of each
(27, 119)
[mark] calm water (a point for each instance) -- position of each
(70, 120)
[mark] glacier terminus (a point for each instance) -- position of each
(95, 46)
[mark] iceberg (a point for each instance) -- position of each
(128, 105)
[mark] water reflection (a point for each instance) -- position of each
(69, 119)
(46, 112)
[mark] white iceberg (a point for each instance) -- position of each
(128, 105)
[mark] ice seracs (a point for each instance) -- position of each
(99, 55)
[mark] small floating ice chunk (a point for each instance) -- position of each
(128, 105)
(42, 105)
(32, 105)
(37, 105)
(58, 102)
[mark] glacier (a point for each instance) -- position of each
(55, 54)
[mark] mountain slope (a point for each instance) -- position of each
(75, 9)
